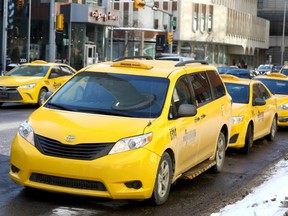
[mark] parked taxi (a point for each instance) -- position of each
(29, 82)
(126, 130)
(278, 85)
(254, 112)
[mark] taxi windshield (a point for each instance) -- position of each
(112, 94)
(29, 70)
(276, 86)
(238, 92)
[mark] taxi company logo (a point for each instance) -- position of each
(70, 138)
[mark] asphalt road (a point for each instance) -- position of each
(203, 195)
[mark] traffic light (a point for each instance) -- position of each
(170, 38)
(60, 22)
(139, 4)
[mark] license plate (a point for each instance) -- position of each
(3, 94)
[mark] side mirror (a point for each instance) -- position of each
(186, 110)
(258, 102)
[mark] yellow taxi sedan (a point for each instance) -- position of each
(254, 112)
(278, 85)
(126, 130)
(28, 83)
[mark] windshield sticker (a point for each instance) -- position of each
(173, 133)
(189, 137)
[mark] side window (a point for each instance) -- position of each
(55, 72)
(256, 92)
(181, 95)
(218, 89)
(264, 93)
(66, 71)
(201, 88)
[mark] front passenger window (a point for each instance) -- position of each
(181, 95)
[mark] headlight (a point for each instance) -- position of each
(26, 131)
(237, 119)
(283, 107)
(131, 143)
(28, 86)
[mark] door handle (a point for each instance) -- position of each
(203, 116)
(197, 119)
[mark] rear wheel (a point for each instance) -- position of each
(220, 153)
(41, 96)
(273, 130)
(163, 180)
(248, 140)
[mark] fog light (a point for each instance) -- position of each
(134, 184)
(14, 169)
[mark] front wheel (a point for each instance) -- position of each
(163, 180)
(248, 140)
(41, 96)
(273, 130)
(220, 153)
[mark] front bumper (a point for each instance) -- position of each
(237, 137)
(127, 175)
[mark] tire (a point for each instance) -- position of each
(220, 153)
(41, 97)
(273, 130)
(163, 181)
(248, 140)
(1, 104)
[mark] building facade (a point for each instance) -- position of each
(220, 31)
(274, 11)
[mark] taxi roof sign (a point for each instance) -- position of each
(280, 75)
(131, 64)
(229, 76)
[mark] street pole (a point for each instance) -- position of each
(171, 30)
(4, 39)
(283, 36)
(29, 32)
(52, 32)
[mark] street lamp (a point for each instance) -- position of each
(283, 35)
(4, 38)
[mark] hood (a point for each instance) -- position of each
(281, 99)
(17, 80)
(238, 109)
(86, 128)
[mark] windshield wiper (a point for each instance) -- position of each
(94, 111)
(58, 106)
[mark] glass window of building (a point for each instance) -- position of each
(203, 18)
(195, 17)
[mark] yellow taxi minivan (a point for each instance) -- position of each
(254, 112)
(126, 129)
(28, 83)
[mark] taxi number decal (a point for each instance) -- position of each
(173, 133)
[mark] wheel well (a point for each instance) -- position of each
(172, 156)
(224, 130)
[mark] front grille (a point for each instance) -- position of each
(9, 93)
(89, 151)
(67, 182)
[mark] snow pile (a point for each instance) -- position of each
(269, 199)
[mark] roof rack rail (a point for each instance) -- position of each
(133, 57)
(183, 63)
